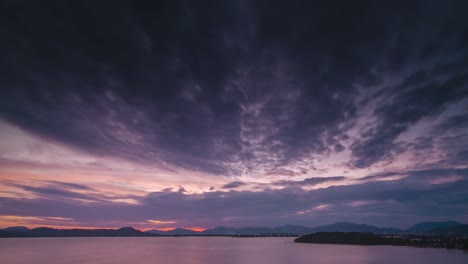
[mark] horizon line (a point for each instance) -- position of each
(201, 229)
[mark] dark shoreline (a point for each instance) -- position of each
(369, 239)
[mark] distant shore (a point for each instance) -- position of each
(426, 231)
(357, 238)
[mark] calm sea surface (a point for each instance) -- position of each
(206, 250)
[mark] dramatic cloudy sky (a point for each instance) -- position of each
(234, 113)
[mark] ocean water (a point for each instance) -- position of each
(205, 250)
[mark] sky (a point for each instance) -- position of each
(197, 114)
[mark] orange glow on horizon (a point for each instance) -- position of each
(197, 229)
(61, 223)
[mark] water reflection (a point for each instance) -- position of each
(205, 250)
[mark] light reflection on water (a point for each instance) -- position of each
(205, 250)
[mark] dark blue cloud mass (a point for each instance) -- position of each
(205, 85)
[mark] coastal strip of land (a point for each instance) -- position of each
(358, 238)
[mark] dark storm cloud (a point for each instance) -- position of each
(233, 185)
(414, 198)
(228, 87)
(434, 58)
(381, 176)
(98, 88)
(309, 181)
(422, 100)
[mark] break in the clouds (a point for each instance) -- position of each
(242, 110)
(419, 195)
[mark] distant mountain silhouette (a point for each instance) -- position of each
(17, 229)
(238, 231)
(290, 230)
(52, 232)
(221, 230)
(351, 227)
(428, 226)
(297, 229)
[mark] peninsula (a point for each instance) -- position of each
(358, 238)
